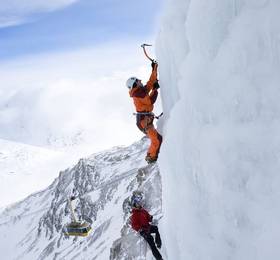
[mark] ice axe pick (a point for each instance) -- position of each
(145, 52)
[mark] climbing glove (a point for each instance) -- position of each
(156, 85)
(154, 63)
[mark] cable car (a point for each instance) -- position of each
(76, 228)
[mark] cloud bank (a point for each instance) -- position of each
(71, 98)
(16, 12)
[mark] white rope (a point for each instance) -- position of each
(145, 249)
(140, 244)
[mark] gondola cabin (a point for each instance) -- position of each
(78, 229)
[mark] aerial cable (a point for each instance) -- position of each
(116, 179)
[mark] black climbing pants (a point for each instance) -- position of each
(150, 240)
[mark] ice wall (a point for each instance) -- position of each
(220, 85)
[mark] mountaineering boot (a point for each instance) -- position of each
(149, 159)
(158, 242)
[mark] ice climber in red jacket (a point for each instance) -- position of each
(141, 222)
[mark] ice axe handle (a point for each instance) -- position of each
(146, 54)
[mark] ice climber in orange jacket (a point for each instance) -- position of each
(144, 97)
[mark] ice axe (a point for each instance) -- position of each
(145, 52)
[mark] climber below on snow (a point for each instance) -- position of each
(141, 222)
(144, 97)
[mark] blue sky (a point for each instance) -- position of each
(63, 68)
(80, 24)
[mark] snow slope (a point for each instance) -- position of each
(103, 184)
(25, 169)
(220, 160)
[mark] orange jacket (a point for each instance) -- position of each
(145, 97)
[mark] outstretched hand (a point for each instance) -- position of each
(154, 64)
(156, 85)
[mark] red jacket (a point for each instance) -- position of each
(140, 219)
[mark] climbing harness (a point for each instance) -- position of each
(147, 119)
(148, 114)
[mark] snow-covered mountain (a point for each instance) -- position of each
(220, 76)
(25, 168)
(29, 168)
(103, 184)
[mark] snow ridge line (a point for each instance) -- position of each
(116, 179)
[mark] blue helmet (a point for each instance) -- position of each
(137, 199)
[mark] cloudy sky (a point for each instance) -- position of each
(63, 67)
(56, 24)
